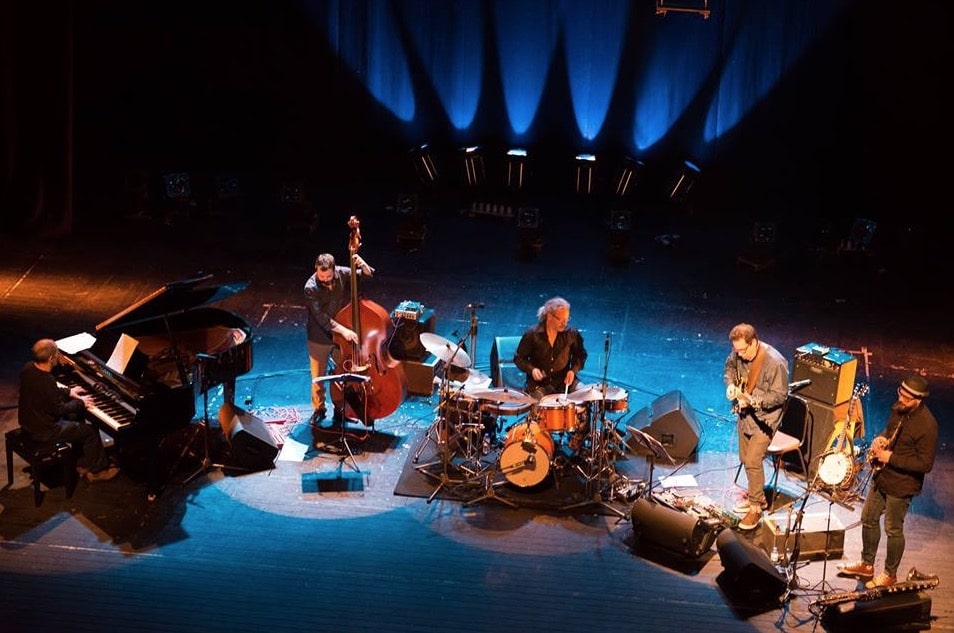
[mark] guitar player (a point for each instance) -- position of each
(900, 457)
(756, 380)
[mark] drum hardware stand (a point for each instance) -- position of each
(490, 489)
(599, 464)
(441, 429)
(472, 332)
(203, 427)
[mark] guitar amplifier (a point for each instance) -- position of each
(832, 372)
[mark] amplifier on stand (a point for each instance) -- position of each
(831, 371)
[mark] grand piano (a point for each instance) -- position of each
(146, 365)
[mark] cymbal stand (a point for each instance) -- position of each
(206, 462)
(472, 332)
(440, 433)
(490, 488)
(601, 469)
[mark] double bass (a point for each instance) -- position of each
(383, 389)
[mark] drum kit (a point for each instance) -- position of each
(471, 417)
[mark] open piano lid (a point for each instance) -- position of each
(173, 298)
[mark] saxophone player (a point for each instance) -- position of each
(900, 458)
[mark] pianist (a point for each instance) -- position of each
(51, 413)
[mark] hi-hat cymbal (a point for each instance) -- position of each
(594, 393)
(502, 395)
(445, 350)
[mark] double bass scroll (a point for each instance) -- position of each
(385, 388)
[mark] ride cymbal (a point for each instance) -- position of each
(445, 350)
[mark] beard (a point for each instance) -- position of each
(900, 408)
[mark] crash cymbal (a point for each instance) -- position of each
(445, 350)
(594, 393)
(502, 395)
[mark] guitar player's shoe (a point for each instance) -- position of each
(858, 569)
(751, 520)
(881, 580)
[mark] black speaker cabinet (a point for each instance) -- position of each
(832, 372)
(252, 446)
(909, 611)
(671, 421)
(503, 373)
(672, 529)
(406, 342)
(820, 425)
(748, 572)
(420, 374)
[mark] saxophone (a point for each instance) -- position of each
(874, 462)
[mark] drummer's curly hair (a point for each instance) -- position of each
(552, 305)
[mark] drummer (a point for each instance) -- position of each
(551, 354)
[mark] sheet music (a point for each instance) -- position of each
(76, 343)
(122, 352)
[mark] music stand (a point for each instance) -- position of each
(653, 449)
(347, 452)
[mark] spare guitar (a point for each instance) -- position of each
(836, 467)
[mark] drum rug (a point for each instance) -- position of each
(558, 482)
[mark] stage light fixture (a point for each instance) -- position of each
(628, 176)
(585, 171)
(423, 162)
(516, 168)
(684, 182)
(700, 7)
(473, 159)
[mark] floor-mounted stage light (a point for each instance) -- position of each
(684, 181)
(628, 176)
(423, 161)
(473, 162)
(516, 168)
(585, 173)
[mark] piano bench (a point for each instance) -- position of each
(42, 458)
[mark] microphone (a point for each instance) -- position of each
(472, 306)
(798, 384)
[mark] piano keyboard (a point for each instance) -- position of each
(107, 407)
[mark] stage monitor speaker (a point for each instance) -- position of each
(831, 371)
(821, 423)
(908, 611)
(406, 342)
(252, 446)
(672, 529)
(671, 421)
(748, 572)
(503, 373)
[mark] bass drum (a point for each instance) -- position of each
(525, 458)
(836, 469)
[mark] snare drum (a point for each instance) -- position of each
(525, 458)
(557, 415)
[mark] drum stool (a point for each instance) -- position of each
(41, 458)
